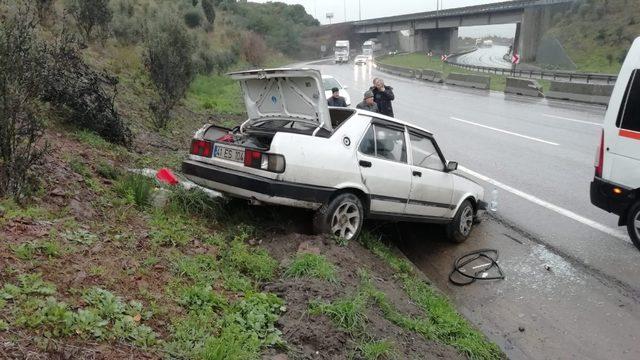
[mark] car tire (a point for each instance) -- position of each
(342, 216)
(633, 224)
(459, 229)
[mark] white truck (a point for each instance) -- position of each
(370, 46)
(341, 51)
(616, 183)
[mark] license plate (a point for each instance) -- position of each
(228, 153)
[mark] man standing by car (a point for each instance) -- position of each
(383, 95)
(336, 99)
(368, 103)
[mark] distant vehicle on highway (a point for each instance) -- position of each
(346, 165)
(370, 47)
(361, 60)
(329, 82)
(341, 50)
(616, 184)
(487, 44)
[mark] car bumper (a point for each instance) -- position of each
(256, 188)
(603, 196)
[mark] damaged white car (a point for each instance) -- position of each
(347, 165)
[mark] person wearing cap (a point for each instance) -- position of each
(383, 96)
(336, 99)
(368, 103)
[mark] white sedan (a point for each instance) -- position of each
(329, 82)
(346, 165)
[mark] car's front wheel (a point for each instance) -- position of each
(342, 216)
(633, 224)
(459, 229)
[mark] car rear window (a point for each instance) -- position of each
(629, 116)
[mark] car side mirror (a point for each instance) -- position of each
(452, 166)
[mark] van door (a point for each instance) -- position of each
(624, 151)
(382, 156)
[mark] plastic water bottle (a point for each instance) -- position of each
(493, 205)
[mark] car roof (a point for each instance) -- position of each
(390, 119)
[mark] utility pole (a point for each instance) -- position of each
(360, 10)
(345, 10)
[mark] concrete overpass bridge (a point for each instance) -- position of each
(438, 30)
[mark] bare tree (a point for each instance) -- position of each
(254, 48)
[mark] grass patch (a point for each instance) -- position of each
(377, 350)
(135, 189)
(194, 202)
(28, 250)
(420, 61)
(108, 171)
(172, 229)
(216, 93)
(312, 265)
(348, 314)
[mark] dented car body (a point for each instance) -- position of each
(346, 165)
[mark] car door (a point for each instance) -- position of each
(382, 156)
(431, 186)
(624, 149)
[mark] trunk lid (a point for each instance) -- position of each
(296, 95)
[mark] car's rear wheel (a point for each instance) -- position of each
(459, 229)
(633, 224)
(342, 216)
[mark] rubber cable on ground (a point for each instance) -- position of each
(490, 255)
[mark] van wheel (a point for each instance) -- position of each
(342, 216)
(459, 229)
(633, 224)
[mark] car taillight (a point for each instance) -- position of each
(600, 156)
(259, 160)
(201, 148)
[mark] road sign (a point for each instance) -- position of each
(515, 59)
(444, 57)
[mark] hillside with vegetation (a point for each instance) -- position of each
(597, 33)
(100, 262)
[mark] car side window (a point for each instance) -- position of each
(629, 116)
(424, 153)
(385, 143)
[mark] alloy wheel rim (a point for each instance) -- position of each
(636, 224)
(345, 221)
(466, 221)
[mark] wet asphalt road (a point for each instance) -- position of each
(539, 155)
(491, 57)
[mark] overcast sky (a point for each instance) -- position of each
(380, 8)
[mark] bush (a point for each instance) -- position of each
(169, 60)
(125, 26)
(209, 11)
(192, 18)
(136, 189)
(21, 125)
(254, 48)
(89, 15)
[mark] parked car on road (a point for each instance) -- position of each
(616, 184)
(346, 165)
(329, 82)
(361, 60)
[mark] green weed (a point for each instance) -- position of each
(199, 268)
(257, 314)
(256, 263)
(218, 93)
(171, 230)
(312, 265)
(375, 350)
(81, 236)
(194, 202)
(108, 171)
(201, 298)
(92, 139)
(28, 250)
(79, 168)
(348, 314)
(135, 189)
(10, 210)
(232, 343)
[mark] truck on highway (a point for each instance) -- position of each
(616, 183)
(487, 44)
(370, 47)
(341, 51)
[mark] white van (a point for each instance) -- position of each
(616, 184)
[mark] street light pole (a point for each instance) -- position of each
(345, 10)
(360, 10)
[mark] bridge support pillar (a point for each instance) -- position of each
(535, 23)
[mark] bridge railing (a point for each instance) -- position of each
(569, 76)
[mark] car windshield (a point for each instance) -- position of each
(330, 83)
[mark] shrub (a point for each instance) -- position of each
(136, 189)
(254, 48)
(89, 15)
(43, 7)
(169, 60)
(21, 124)
(125, 26)
(209, 10)
(192, 18)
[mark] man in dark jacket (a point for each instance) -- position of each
(383, 95)
(336, 99)
(368, 103)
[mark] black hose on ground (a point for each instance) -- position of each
(469, 277)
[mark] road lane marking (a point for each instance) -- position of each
(505, 131)
(574, 120)
(562, 211)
